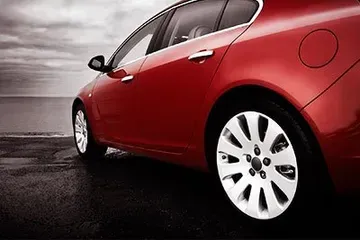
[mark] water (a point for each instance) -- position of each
(35, 115)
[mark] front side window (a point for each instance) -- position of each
(238, 12)
(192, 21)
(137, 46)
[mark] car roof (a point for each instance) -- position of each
(175, 4)
(178, 2)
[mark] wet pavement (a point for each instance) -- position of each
(47, 191)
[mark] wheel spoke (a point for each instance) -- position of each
(253, 123)
(238, 133)
(272, 203)
(81, 115)
(228, 148)
(254, 200)
(229, 169)
(81, 118)
(77, 128)
(78, 136)
(83, 145)
(273, 131)
(284, 157)
(239, 187)
(78, 120)
(80, 139)
(286, 185)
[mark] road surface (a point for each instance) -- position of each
(47, 191)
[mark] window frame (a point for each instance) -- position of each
(168, 13)
(173, 9)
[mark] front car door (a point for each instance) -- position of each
(114, 91)
(173, 82)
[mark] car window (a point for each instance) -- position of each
(238, 12)
(192, 21)
(137, 46)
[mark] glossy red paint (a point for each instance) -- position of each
(163, 112)
(114, 100)
(170, 75)
(335, 117)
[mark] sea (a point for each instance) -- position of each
(34, 115)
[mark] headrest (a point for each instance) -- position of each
(198, 31)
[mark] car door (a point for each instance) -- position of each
(114, 91)
(173, 82)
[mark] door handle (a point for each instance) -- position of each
(202, 54)
(127, 78)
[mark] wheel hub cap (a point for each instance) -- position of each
(256, 164)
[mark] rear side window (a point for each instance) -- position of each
(192, 21)
(238, 12)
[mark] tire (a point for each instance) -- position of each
(305, 177)
(88, 149)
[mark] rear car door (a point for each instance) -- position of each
(114, 91)
(173, 81)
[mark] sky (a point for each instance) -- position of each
(45, 45)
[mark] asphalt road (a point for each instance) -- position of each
(47, 191)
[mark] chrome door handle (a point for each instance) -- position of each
(127, 78)
(202, 54)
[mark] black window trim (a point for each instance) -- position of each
(219, 18)
(156, 46)
(168, 13)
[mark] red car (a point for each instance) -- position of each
(266, 94)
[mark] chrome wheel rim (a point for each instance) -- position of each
(81, 132)
(257, 165)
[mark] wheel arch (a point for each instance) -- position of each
(232, 95)
(77, 101)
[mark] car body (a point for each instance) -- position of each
(304, 53)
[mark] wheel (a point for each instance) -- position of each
(266, 162)
(85, 143)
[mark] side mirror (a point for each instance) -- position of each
(97, 63)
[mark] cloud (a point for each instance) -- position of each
(45, 45)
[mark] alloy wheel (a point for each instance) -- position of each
(81, 132)
(257, 165)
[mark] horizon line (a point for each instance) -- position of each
(38, 96)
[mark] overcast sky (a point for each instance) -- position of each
(45, 45)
